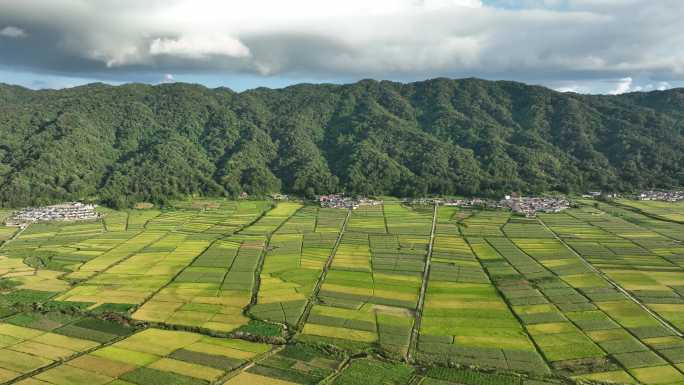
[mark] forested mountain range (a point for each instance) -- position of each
(122, 144)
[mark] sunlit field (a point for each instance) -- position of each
(259, 292)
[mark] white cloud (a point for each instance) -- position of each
(577, 41)
(200, 47)
(623, 85)
(662, 86)
(13, 32)
(571, 88)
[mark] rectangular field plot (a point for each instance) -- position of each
(270, 222)
(415, 220)
(7, 232)
(673, 211)
(212, 291)
(31, 341)
(667, 228)
(373, 285)
(368, 220)
(155, 356)
(644, 262)
(223, 217)
(215, 288)
(136, 278)
(137, 219)
(582, 325)
(61, 246)
(517, 227)
(464, 376)
(294, 262)
(295, 364)
(464, 319)
(373, 372)
(131, 244)
(114, 221)
(484, 223)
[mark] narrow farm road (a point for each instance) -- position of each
(324, 273)
(413, 342)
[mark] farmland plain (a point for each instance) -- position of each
(212, 291)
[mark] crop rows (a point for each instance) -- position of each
(33, 341)
(217, 284)
(154, 357)
(295, 364)
(464, 319)
(625, 332)
(646, 263)
(595, 292)
(293, 264)
(669, 210)
(372, 288)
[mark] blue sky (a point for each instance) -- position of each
(587, 46)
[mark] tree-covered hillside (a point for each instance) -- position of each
(139, 142)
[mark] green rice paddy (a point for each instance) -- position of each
(212, 291)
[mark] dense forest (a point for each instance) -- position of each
(136, 142)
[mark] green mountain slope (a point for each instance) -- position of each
(139, 142)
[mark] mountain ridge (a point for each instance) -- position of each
(304, 84)
(132, 142)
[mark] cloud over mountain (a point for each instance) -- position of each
(546, 41)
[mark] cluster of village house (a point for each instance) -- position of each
(667, 196)
(72, 211)
(339, 201)
(649, 195)
(530, 206)
(600, 194)
(524, 205)
(460, 202)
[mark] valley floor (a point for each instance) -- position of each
(214, 291)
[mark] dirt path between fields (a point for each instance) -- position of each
(324, 273)
(413, 342)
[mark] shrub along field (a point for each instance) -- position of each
(212, 291)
